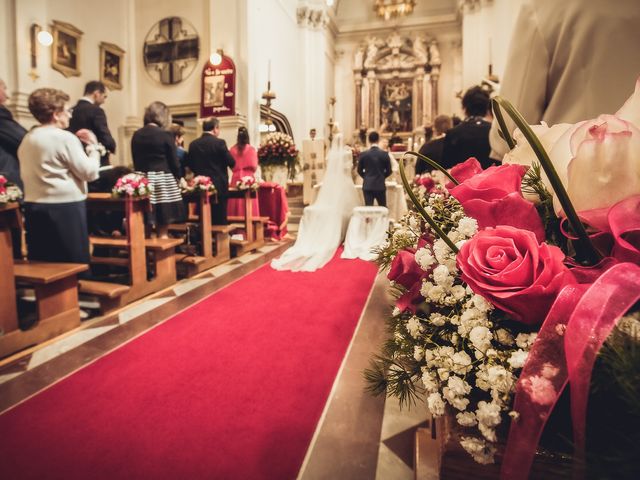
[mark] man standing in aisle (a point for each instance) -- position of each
(88, 114)
(374, 166)
(209, 156)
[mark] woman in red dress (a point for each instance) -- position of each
(246, 158)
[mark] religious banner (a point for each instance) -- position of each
(218, 96)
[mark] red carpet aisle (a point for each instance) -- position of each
(230, 389)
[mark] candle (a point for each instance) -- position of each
(490, 51)
(269, 72)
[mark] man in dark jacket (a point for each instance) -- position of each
(433, 148)
(471, 137)
(209, 156)
(11, 133)
(88, 114)
(374, 165)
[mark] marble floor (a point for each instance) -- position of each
(358, 436)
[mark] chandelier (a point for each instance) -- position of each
(393, 8)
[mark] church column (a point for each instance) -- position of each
(419, 118)
(316, 61)
(371, 76)
(358, 99)
(133, 120)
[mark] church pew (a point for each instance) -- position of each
(55, 287)
(191, 265)
(132, 249)
(56, 290)
(109, 295)
(254, 234)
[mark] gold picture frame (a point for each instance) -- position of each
(65, 57)
(111, 57)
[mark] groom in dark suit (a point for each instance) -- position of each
(88, 114)
(209, 156)
(374, 165)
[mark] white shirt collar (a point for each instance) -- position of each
(87, 99)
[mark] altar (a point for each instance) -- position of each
(396, 201)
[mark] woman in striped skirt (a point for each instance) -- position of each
(154, 153)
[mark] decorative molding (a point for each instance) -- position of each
(470, 6)
(312, 17)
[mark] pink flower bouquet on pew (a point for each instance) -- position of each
(512, 282)
(132, 185)
(199, 183)
(247, 183)
(9, 192)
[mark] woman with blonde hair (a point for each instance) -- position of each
(154, 153)
(55, 171)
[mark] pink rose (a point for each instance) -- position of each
(404, 269)
(512, 270)
(464, 171)
(494, 197)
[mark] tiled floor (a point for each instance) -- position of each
(358, 436)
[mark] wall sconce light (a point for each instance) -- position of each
(44, 38)
(216, 58)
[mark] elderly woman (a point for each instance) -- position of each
(55, 170)
(154, 153)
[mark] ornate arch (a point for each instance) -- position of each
(396, 81)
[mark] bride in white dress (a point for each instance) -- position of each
(324, 223)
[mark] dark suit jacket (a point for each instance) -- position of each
(209, 155)
(154, 150)
(432, 150)
(374, 165)
(11, 134)
(92, 117)
(469, 139)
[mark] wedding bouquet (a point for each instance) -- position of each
(199, 183)
(132, 185)
(9, 192)
(510, 280)
(278, 149)
(247, 183)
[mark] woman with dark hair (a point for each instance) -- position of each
(246, 158)
(55, 170)
(154, 153)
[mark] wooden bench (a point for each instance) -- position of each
(252, 226)
(131, 250)
(110, 295)
(56, 290)
(206, 258)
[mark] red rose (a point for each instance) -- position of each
(404, 269)
(509, 268)
(464, 171)
(494, 197)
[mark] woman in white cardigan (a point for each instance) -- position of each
(55, 169)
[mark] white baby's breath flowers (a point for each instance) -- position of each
(437, 319)
(435, 404)
(518, 358)
(478, 449)
(480, 338)
(414, 327)
(425, 258)
(504, 337)
(442, 276)
(466, 419)
(525, 340)
(418, 353)
(489, 417)
(468, 226)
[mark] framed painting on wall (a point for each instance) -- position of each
(65, 57)
(111, 59)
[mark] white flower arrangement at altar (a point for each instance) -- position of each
(278, 150)
(247, 183)
(132, 185)
(9, 192)
(199, 183)
(504, 297)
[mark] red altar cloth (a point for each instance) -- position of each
(273, 204)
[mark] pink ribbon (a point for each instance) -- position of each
(566, 352)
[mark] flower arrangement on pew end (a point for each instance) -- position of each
(197, 184)
(132, 185)
(513, 282)
(9, 192)
(278, 150)
(247, 183)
